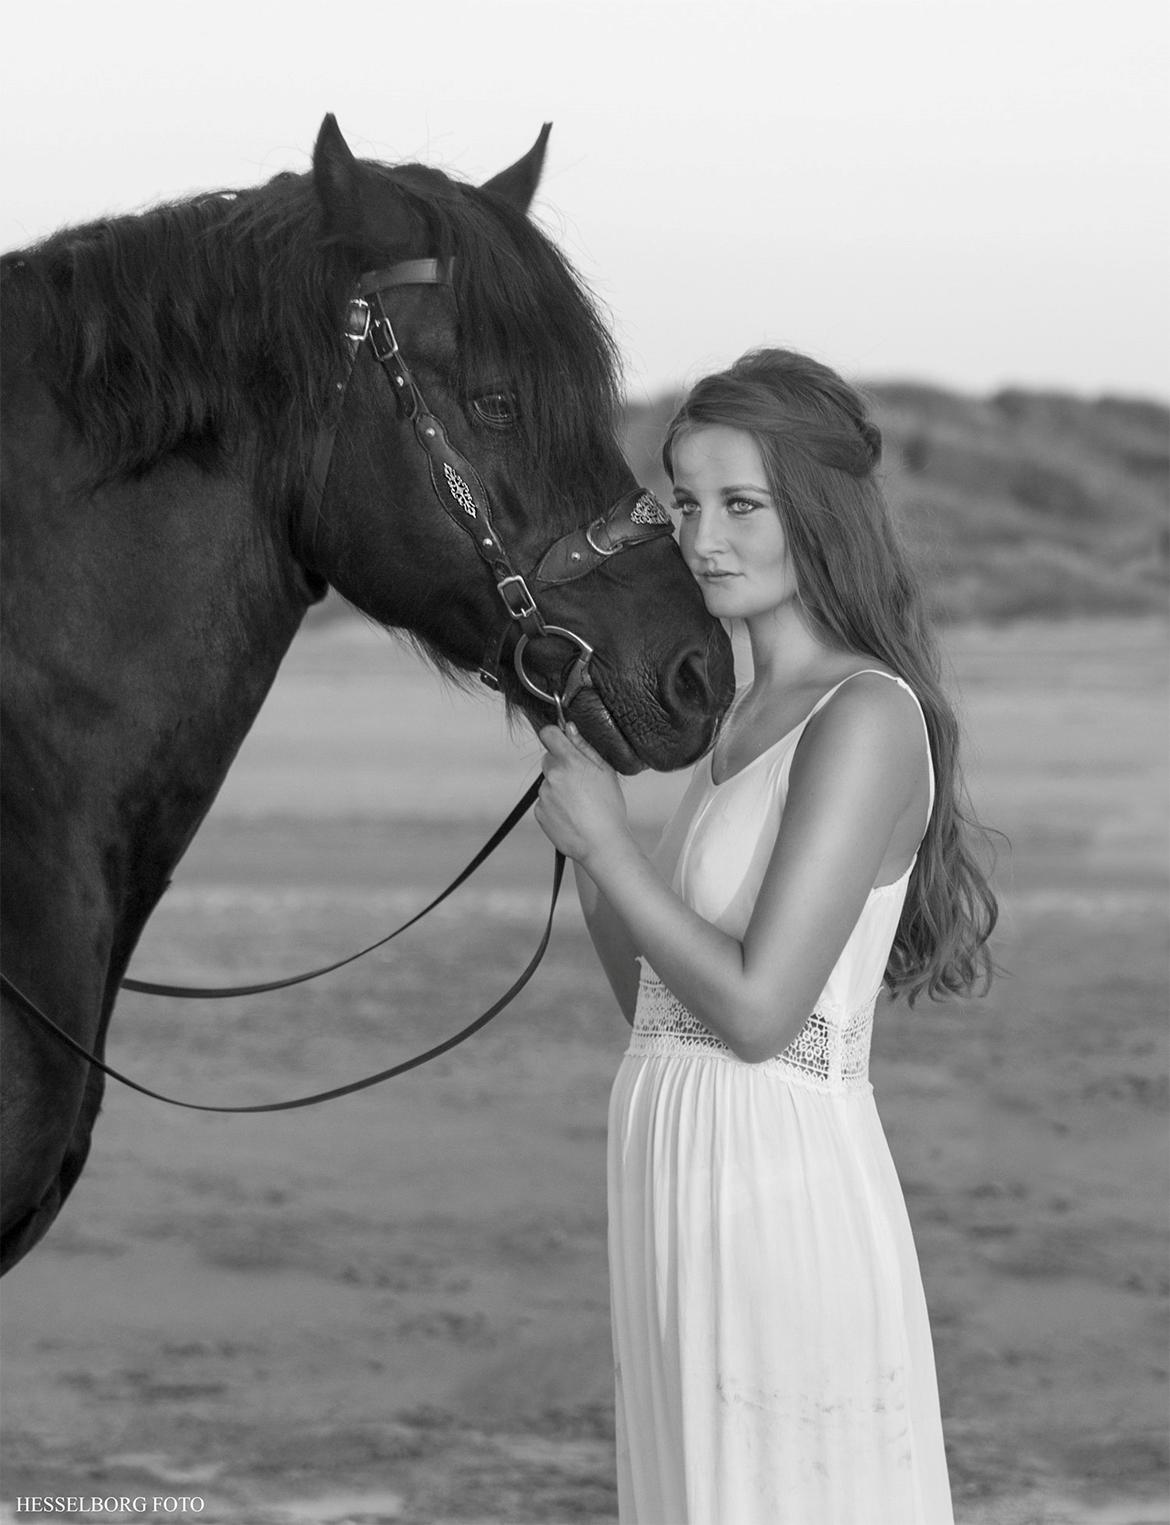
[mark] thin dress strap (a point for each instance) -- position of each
(893, 677)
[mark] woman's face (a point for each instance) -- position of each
(730, 531)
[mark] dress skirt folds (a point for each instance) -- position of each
(773, 1352)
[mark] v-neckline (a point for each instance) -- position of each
(718, 783)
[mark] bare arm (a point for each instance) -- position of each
(612, 942)
(858, 774)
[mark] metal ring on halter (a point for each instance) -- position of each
(578, 677)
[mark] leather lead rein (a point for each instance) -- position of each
(33, 1010)
(638, 516)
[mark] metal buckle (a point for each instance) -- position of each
(518, 594)
(383, 340)
(357, 321)
(602, 550)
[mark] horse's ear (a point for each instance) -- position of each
(336, 175)
(517, 184)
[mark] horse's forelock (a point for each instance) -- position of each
(527, 323)
(538, 331)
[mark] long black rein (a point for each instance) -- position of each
(358, 329)
(519, 810)
(218, 993)
(637, 517)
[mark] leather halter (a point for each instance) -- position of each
(636, 517)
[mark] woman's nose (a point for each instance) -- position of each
(705, 531)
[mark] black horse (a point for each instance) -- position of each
(195, 446)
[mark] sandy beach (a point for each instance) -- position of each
(394, 1307)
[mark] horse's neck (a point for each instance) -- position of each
(145, 625)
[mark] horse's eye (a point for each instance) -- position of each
(496, 408)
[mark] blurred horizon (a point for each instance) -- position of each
(880, 382)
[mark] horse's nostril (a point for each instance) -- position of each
(687, 687)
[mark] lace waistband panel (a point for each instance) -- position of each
(827, 1054)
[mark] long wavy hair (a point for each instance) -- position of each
(858, 591)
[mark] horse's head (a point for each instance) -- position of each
(476, 473)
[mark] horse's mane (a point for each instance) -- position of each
(197, 324)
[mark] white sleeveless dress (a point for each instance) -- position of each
(772, 1348)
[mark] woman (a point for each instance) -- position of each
(774, 1361)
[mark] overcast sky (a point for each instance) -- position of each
(972, 192)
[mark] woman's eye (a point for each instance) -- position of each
(685, 509)
(495, 408)
(743, 506)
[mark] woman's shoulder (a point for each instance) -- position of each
(869, 712)
(867, 686)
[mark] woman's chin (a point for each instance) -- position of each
(721, 601)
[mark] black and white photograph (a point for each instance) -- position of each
(584, 807)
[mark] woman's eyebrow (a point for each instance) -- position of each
(726, 491)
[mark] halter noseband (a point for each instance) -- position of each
(636, 517)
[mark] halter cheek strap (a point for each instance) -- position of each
(636, 517)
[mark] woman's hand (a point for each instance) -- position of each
(581, 808)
